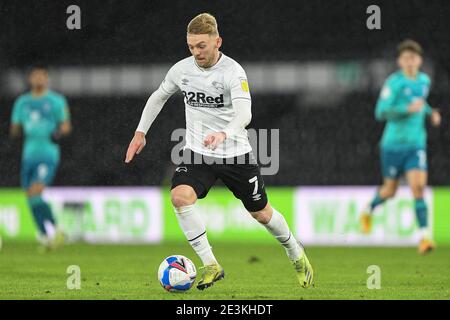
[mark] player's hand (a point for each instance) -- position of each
(136, 145)
(416, 106)
(56, 137)
(214, 139)
(435, 118)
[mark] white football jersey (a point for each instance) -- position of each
(208, 96)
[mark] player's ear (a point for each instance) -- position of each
(420, 61)
(218, 42)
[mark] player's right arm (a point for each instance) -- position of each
(16, 119)
(387, 109)
(151, 110)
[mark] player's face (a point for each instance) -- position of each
(410, 62)
(204, 48)
(38, 79)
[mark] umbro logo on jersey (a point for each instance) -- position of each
(201, 100)
(184, 82)
(181, 169)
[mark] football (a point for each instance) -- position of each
(177, 273)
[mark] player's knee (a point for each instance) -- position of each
(388, 192)
(418, 191)
(35, 190)
(263, 216)
(182, 196)
(391, 192)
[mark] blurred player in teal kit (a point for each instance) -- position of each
(403, 105)
(43, 116)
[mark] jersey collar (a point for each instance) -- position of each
(43, 95)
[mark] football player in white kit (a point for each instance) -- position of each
(218, 108)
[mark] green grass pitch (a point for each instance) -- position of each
(251, 272)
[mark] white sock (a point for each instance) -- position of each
(279, 228)
(425, 233)
(195, 231)
(368, 209)
(50, 229)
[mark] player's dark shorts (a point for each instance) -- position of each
(37, 171)
(395, 163)
(240, 174)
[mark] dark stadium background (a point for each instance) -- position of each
(333, 144)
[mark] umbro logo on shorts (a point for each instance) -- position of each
(256, 197)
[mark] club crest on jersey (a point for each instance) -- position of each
(201, 100)
(218, 85)
(35, 116)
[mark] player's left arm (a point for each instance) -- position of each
(63, 118)
(433, 113)
(242, 106)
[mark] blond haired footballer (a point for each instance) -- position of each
(218, 108)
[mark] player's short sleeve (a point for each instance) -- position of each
(426, 78)
(169, 84)
(62, 109)
(16, 116)
(239, 87)
(426, 89)
(388, 91)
